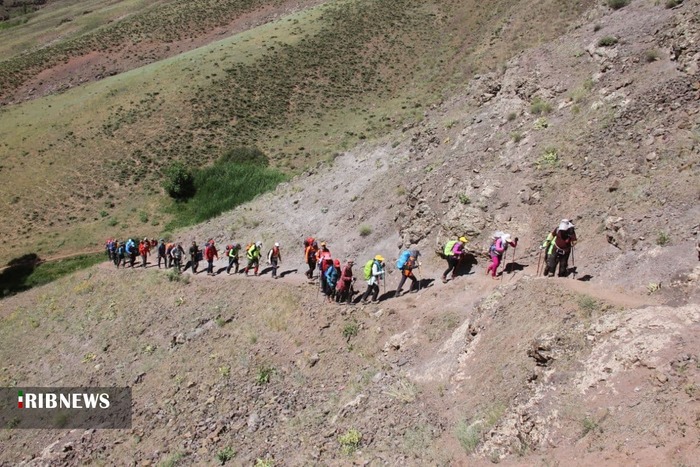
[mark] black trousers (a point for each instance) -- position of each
(414, 282)
(231, 261)
(312, 268)
(561, 258)
(374, 290)
(274, 262)
(451, 266)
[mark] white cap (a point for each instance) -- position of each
(505, 237)
(565, 224)
(258, 243)
(277, 244)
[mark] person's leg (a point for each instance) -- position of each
(552, 263)
(401, 282)
(375, 293)
(564, 264)
(414, 283)
(495, 262)
(365, 295)
(450, 266)
(274, 267)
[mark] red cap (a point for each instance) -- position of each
(336, 263)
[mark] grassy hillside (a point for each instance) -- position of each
(87, 163)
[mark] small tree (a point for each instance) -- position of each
(179, 182)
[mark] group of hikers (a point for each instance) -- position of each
(336, 282)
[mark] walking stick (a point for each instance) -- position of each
(539, 258)
(573, 263)
(419, 276)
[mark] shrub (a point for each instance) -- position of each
(651, 55)
(617, 4)
(264, 374)
(350, 330)
(469, 435)
(244, 155)
(350, 441)
(539, 106)
(517, 137)
(512, 116)
(550, 158)
(226, 455)
(464, 199)
(365, 230)
(607, 41)
(663, 239)
(673, 3)
(179, 182)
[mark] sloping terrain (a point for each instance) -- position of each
(299, 83)
(600, 367)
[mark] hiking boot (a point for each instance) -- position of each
(444, 280)
(397, 294)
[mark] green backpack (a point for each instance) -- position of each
(368, 269)
(448, 248)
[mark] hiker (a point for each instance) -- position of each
(406, 267)
(210, 254)
(697, 248)
(194, 256)
(109, 247)
(161, 254)
(453, 253)
(498, 247)
(120, 254)
(332, 274)
(130, 250)
(374, 272)
(233, 257)
(177, 253)
(253, 255)
(557, 248)
(310, 256)
(324, 261)
(168, 254)
(274, 258)
(343, 291)
(144, 249)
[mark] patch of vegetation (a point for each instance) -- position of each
(541, 123)
(175, 276)
(607, 41)
(267, 462)
(403, 391)
(673, 3)
(350, 330)
(225, 455)
(539, 106)
(464, 199)
(350, 441)
(617, 4)
(549, 159)
(470, 432)
(517, 136)
(365, 230)
(651, 55)
(587, 304)
(653, 287)
(179, 182)
(238, 176)
(225, 371)
(26, 272)
(588, 425)
(172, 460)
(663, 238)
(265, 373)
(512, 116)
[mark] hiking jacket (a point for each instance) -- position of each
(345, 279)
(193, 252)
(310, 253)
(562, 239)
(161, 249)
(377, 272)
(211, 252)
(458, 249)
(253, 253)
(233, 252)
(177, 252)
(408, 266)
(274, 253)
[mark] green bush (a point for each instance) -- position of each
(617, 4)
(365, 230)
(607, 41)
(350, 441)
(179, 182)
(673, 3)
(540, 106)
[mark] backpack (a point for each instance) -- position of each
(308, 242)
(368, 269)
(447, 251)
(228, 248)
(401, 262)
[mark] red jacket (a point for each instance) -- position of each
(210, 252)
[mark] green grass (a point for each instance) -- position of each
(607, 41)
(221, 187)
(617, 4)
(23, 274)
(539, 106)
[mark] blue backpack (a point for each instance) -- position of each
(403, 258)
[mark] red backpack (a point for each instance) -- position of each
(308, 242)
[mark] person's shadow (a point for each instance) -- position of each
(514, 266)
(289, 271)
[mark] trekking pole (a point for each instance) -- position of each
(420, 274)
(539, 258)
(573, 263)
